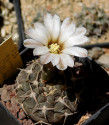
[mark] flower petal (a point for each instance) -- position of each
(79, 31)
(62, 63)
(76, 51)
(31, 33)
(48, 22)
(38, 36)
(66, 31)
(42, 33)
(46, 58)
(55, 59)
(65, 24)
(40, 50)
(76, 41)
(60, 66)
(56, 27)
(68, 60)
(30, 43)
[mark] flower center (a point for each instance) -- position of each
(54, 48)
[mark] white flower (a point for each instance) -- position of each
(55, 42)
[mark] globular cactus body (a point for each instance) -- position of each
(45, 98)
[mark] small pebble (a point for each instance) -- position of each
(104, 60)
(15, 36)
(21, 114)
(15, 105)
(95, 52)
(9, 87)
(1, 89)
(9, 105)
(3, 32)
(5, 95)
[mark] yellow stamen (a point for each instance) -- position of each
(54, 48)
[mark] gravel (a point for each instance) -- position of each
(8, 99)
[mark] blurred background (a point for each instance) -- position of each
(92, 14)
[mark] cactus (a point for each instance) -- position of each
(46, 88)
(49, 100)
(96, 20)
